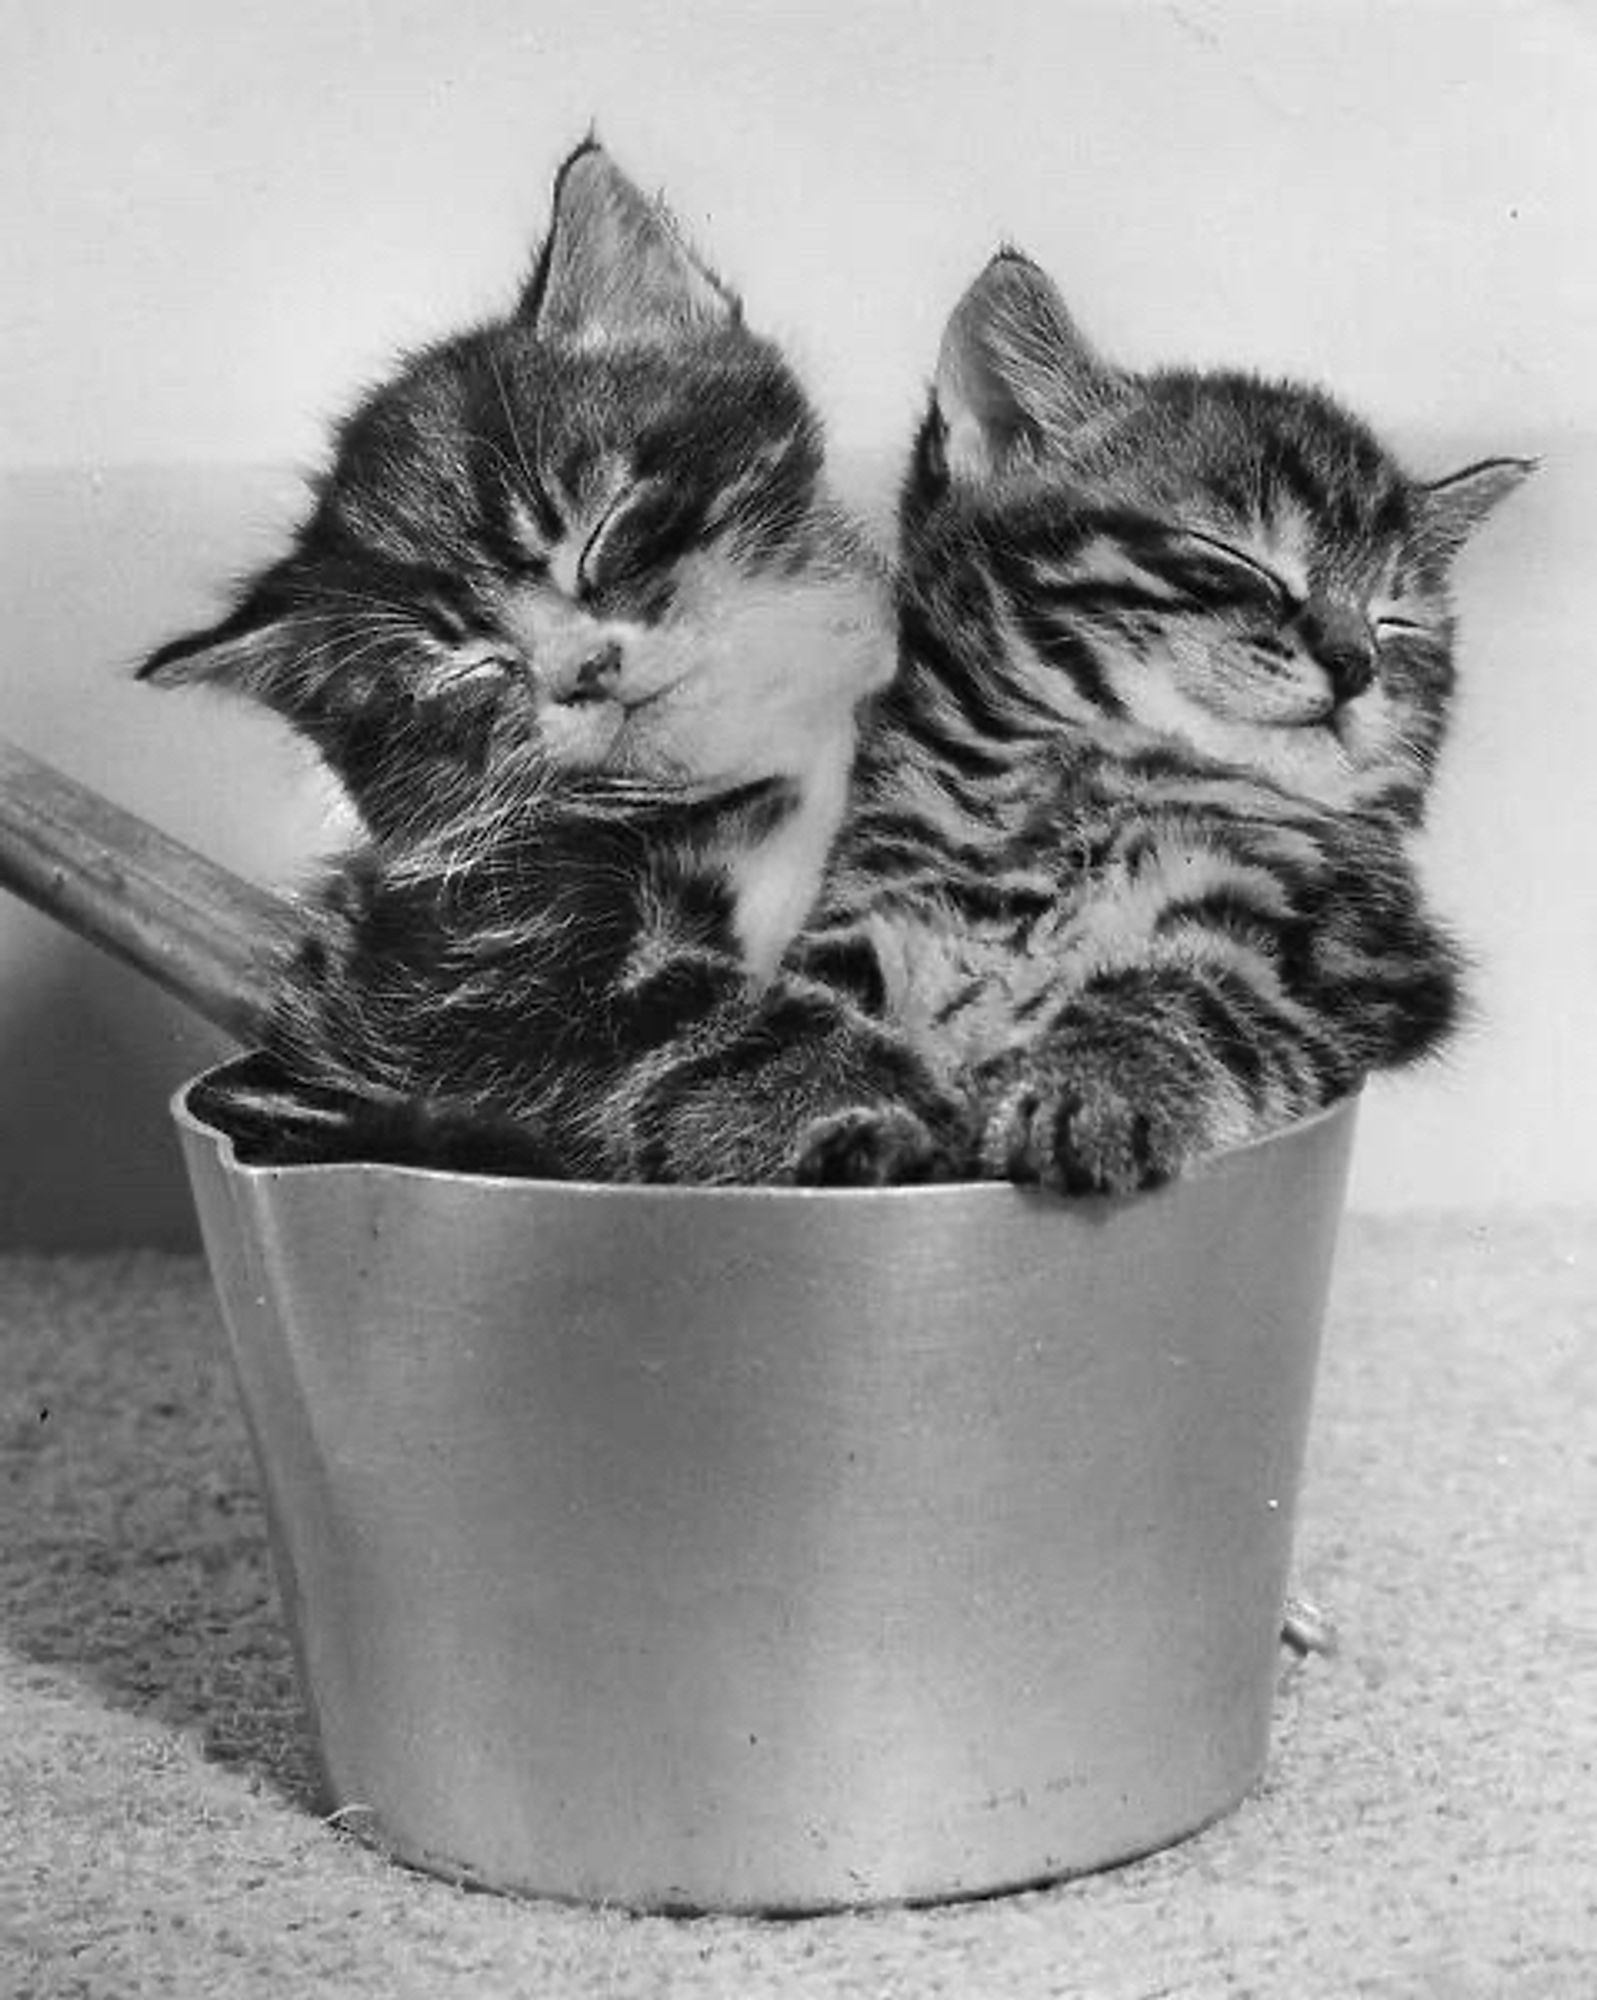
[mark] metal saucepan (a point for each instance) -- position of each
(745, 1548)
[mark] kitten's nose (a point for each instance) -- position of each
(1340, 639)
(589, 676)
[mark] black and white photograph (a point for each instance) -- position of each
(797, 946)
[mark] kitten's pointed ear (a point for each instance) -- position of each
(613, 270)
(238, 651)
(1013, 369)
(1453, 508)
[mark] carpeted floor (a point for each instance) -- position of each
(1428, 1826)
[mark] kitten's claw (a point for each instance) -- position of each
(868, 1146)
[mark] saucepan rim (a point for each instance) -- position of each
(531, 1187)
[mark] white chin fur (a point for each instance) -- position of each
(745, 678)
(756, 679)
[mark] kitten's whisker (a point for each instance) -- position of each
(373, 598)
(358, 624)
(516, 476)
(534, 484)
(336, 649)
(358, 648)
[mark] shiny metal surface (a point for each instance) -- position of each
(772, 1549)
(214, 940)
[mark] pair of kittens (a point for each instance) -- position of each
(700, 849)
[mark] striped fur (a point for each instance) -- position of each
(611, 495)
(1123, 871)
(580, 628)
(1128, 858)
(553, 985)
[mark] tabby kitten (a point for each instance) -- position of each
(554, 984)
(579, 627)
(617, 481)
(1127, 860)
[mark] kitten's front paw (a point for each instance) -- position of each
(869, 1146)
(274, 1123)
(1081, 1135)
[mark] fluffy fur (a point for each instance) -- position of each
(1121, 875)
(582, 530)
(577, 623)
(1127, 861)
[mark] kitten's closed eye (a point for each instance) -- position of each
(611, 558)
(1290, 605)
(535, 533)
(1243, 568)
(628, 559)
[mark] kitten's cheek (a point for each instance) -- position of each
(459, 718)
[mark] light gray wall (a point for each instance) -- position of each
(218, 225)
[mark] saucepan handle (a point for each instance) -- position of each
(208, 936)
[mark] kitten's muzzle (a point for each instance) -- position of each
(590, 677)
(1341, 642)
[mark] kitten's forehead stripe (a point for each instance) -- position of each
(565, 564)
(531, 531)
